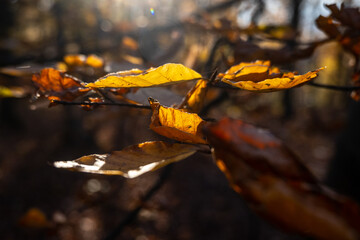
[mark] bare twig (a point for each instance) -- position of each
(333, 87)
(103, 104)
(133, 214)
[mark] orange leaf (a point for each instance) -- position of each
(194, 100)
(131, 161)
(55, 85)
(176, 124)
(275, 183)
(34, 218)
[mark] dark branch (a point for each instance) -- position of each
(333, 87)
(102, 104)
(133, 214)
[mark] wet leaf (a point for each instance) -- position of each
(57, 86)
(260, 77)
(132, 161)
(194, 100)
(176, 124)
(277, 185)
(167, 74)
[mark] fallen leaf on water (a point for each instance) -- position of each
(176, 123)
(131, 161)
(57, 86)
(167, 74)
(278, 187)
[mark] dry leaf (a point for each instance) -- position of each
(167, 74)
(261, 78)
(176, 124)
(55, 85)
(194, 100)
(132, 161)
(277, 185)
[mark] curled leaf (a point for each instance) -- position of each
(56, 86)
(167, 74)
(176, 124)
(259, 77)
(194, 100)
(276, 184)
(131, 161)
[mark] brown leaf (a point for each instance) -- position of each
(259, 77)
(56, 86)
(176, 124)
(131, 161)
(275, 183)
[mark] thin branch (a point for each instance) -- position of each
(133, 214)
(103, 104)
(333, 87)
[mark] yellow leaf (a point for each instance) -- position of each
(132, 161)
(94, 61)
(167, 74)
(286, 81)
(12, 92)
(194, 100)
(176, 124)
(75, 59)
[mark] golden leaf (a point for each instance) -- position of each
(176, 124)
(131, 161)
(194, 100)
(271, 83)
(167, 74)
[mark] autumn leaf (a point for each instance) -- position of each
(57, 86)
(254, 71)
(167, 74)
(277, 185)
(131, 161)
(176, 123)
(260, 77)
(92, 60)
(194, 100)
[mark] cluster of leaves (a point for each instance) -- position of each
(257, 164)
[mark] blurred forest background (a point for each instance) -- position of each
(41, 202)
